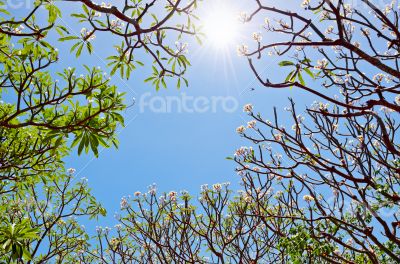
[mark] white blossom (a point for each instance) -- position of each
(71, 171)
(308, 198)
(240, 130)
(248, 108)
(242, 50)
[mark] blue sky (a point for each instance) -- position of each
(177, 151)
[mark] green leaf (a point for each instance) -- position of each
(93, 144)
(186, 82)
(119, 118)
(85, 9)
(289, 77)
(61, 30)
(199, 41)
(89, 47)
(81, 145)
(103, 211)
(149, 79)
(54, 12)
(102, 142)
(163, 82)
(79, 51)
(68, 38)
(78, 15)
(286, 63)
(25, 254)
(307, 70)
(300, 77)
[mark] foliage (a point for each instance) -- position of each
(338, 160)
(324, 190)
(14, 236)
(45, 114)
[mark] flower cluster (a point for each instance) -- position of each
(71, 171)
(378, 77)
(278, 137)
(248, 108)
(305, 3)
(329, 30)
(124, 203)
(324, 15)
(257, 36)
(321, 64)
(243, 17)
(217, 187)
(172, 196)
(18, 30)
(323, 107)
(284, 25)
(116, 24)
(152, 189)
(251, 124)
(296, 127)
(244, 152)
(87, 35)
(114, 242)
(365, 32)
(181, 48)
(204, 187)
(104, 5)
(240, 130)
(308, 198)
(242, 50)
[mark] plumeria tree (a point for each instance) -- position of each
(45, 114)
(324, 189)
(339, 163)
(219, 227)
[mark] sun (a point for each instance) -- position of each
(220, 25)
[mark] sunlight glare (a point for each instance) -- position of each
(220, 25)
